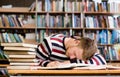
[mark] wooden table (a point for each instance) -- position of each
(64, 72)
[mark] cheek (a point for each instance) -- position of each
(79, 54)
(70, 53)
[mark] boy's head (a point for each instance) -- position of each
(83, 48)
(89, 47)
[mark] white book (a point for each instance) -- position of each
(23, 60)
(19, 45)
(73, 21)
(19, 48)
(99, 67)
(19, 52)
(7, 6)
(39, 6)
(21, 56)
(94, 67)
(61, 5)
(23, 64)
(19, 67)
(28, 36)
(111, 22)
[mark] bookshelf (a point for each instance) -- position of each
(16, 20)
(71, 17)
(101, 22)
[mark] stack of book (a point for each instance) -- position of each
(3, 63)
(3, 56)
(20, 54)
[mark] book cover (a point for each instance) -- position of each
(12, 37)
(11, 52)
(1, 23)
(22, 67)
(22, 56)
(19, 48)
(5, 20)
(23, 60)
(23, 64)
(17, 37)
(19, 45)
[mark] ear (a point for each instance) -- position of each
(77, 42)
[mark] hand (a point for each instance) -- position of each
(53, 64)
(57, 63)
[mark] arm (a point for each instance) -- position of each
(97, 59)
(42, 53)
(44, 50)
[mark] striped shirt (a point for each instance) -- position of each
(53, 49)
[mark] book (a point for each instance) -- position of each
(23, 60)
(19, 48)
(5, 20)
(25, 64)
(7, 6)
(32, 6)
(22, 67)
(94, 67)
(12, 37)
(18, 39)
(65, 66)
(11, 52)
(99, 67)
(22, 56)
(19, 45)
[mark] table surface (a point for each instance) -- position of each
(65, 72)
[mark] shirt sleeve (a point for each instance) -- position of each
(43, 52)
(44, 49)
(97, 59)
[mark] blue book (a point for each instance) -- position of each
(43, 20)
(75, 21)
(17, 37)
(11, 23)
(103, 37)
(114, 37)
(113, 52)
(48, 5)
(39, 23)
(96, 6)
(86, 22)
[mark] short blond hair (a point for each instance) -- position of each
(89, 47)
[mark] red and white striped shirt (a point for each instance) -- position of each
(53, 49)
